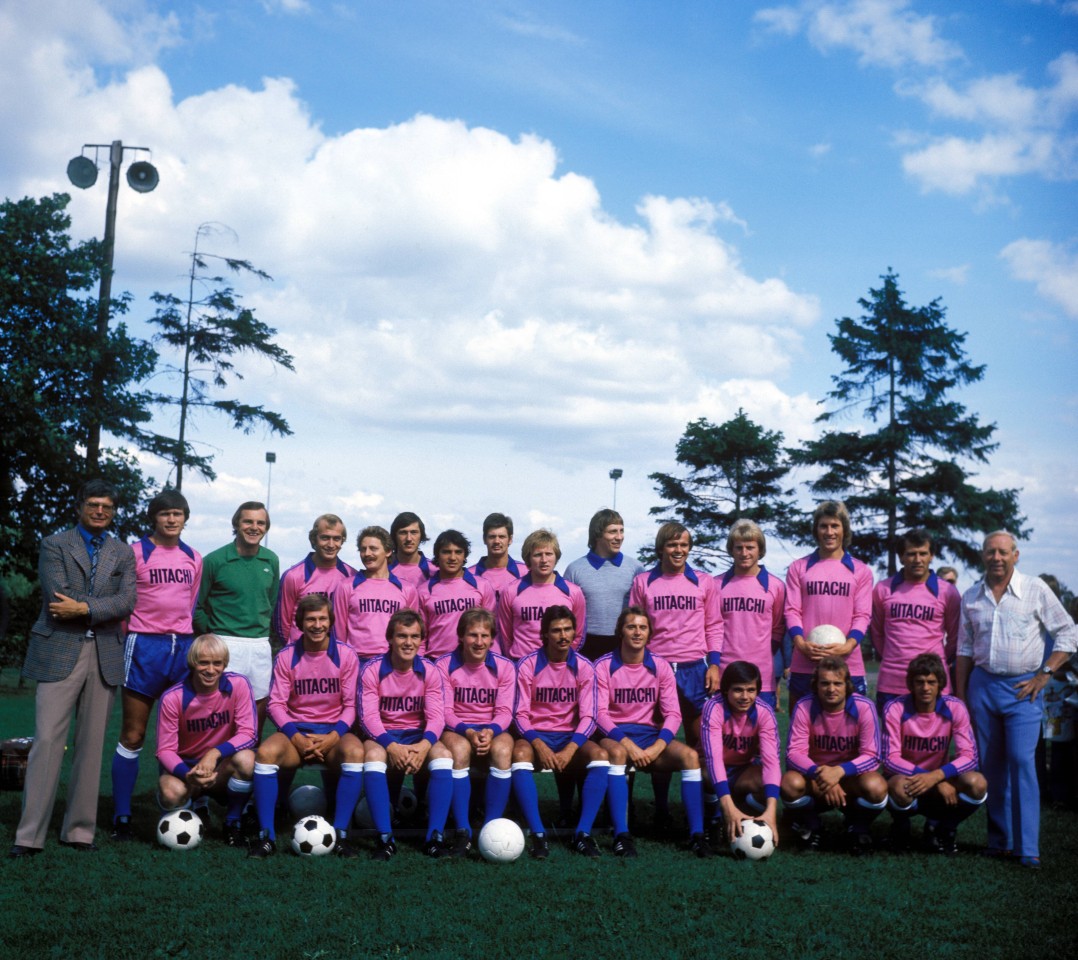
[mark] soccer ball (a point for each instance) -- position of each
(307, 801)
(755, 842)
(407, 804)
(501, 841)
(825, 633)
(313, 837)
(179, 830)
(362, 816)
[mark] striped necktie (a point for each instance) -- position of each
(95, 550)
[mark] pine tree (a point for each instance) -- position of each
(901, 365)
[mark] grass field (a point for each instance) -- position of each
(139, 900)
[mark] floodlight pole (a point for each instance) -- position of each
(271, 459)
(615, 475)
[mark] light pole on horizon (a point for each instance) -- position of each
(271, 459)
(142, 178)
(615, 475)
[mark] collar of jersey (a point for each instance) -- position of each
(761, 577)
(846, 561)
(386, 666)
(616, 663)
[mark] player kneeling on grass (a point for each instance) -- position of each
(832, 758)
(555, 716)
(205, 736)
(919, 731)
(403, 717)
(312, 700)
(635, 689)
(480, 689)
(741, 747)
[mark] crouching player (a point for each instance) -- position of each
(635, 689)
(403, 717)
(919, 731)
(555, 716)
(832, 758)
(741, 748)
(480, 689)
(205, 736)
(312, 701)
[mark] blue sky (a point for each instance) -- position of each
(516, 244)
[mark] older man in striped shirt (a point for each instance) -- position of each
(1000, 671)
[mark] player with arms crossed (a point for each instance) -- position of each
(753, 604)
(237, 598)
(408, 564)
(206, 735)
(740, 741)
(555, 716)
(919, 731)
(321, 571)
(451, 591)
(168, 573)
(313, 703)
(634, 689)
(480, 691)
(374, 596)
(828, 586)
(913, 612)
(499, 569)
(833, 758)
(403, 717)
(521, 608)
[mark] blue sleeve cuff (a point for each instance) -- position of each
(771, 791)
(341, 727)
(529, 735)
(949, 771)
(713, 659)
(848, 768)
(430, 738)
(812, 771)
(722, 789)
(181, 770)
(857, 635)
(666, 735)
(290, 730)
(496, 729)
(796, 632)
(615, 733)
(578, 739)
(226, 749)
(384, 740)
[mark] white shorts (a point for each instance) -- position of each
(251, 657)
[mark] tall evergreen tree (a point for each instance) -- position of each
(209, 328)
(900, 367)
(735, 470)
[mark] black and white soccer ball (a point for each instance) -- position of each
(180, 830)
(308, 800)
(755, 843)
(313, 837)
(501, 841)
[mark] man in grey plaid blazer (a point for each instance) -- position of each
(76, 655)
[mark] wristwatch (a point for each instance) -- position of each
(1047, 670)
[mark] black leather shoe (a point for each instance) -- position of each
(76, 845)
(18, 852)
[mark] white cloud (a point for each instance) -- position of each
(818, 150)
(957, 275)
(883, 33)
(1051, 267)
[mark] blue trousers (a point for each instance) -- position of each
(1007, 730)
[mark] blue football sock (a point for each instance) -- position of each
(124, 775)
(617, 798)
(692, 798)
(239, 792)
(499, 784)
(439, 795)
(349, 787)
(592, 794)
(462, 797)
(265, 790)
(527, 796)
(377, 788)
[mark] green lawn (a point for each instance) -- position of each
(140, 900)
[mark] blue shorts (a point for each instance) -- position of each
(882, 699)
(407, 737)
(769, 697)
(153, 662)
(642, 734)
(691, 680)
(319, 728)
(558, 740)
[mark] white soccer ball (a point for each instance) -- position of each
(179, 830)
(313, 837)
(501, 841)
(307, 801)
(825, 634)
(755, 842)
